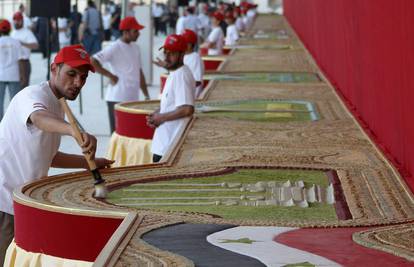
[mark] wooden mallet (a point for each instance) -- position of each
(100, 188)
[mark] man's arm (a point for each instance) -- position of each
(63, 160)
(49, 122)
(156, 119)
(143, 85)
(30, 45)
(105, 72)
(22, 77)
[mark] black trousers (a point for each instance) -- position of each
(156, 158)
(111, 114)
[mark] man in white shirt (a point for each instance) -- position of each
(31, 129)
(239, 20)
(215, 40)
(192, 22)
(28, 41)
(204, 22)
(180, 25)
(177, 99)
(125, 71)
(193, 60)
(11, 64)
(232, 35)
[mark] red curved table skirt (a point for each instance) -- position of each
(62, 235)
(132, 124)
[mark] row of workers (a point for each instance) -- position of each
(33, 124)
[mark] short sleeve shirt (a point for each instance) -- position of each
(178, 91)
(194, 62)
(124, 61)
(232, 35)
(24, 35)
(26, 152)
(10, 53)
(216, 36)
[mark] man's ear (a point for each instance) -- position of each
(53, 68)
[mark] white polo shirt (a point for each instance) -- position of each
(26, 152)
(216, 36)
(232, 35)
(178, 91)
(124, 61)
(10, 53)
(24, 35)
(194, 62)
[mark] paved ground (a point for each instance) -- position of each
(94, 117)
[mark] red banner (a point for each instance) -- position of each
(366, 49)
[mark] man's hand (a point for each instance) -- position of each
(160, 63)
(103, 163)
(89, 145)
(154, 120)
(113, 79)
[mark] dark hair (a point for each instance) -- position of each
(91, 3)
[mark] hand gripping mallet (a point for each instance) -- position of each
(100, 189)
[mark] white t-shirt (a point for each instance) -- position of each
(24, 35)
(193, 23)
(180, 26)
(10, 53)
(26, 152)
(216, 36)
(178, 91)
(232, 35)
(194, 62)
(239, 24)
(124, 61)
(64, 32)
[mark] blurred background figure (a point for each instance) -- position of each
(215, 40)
(106, 21)
(204, 21)
(192, 22)
(172, 18)
(10, 63)
(27, 22)
(157, 13)
(91, 30)
(115, 20)
(28, 41)
(232, 34)
(64, 32)
(75, 20)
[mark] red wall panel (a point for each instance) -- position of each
(366, 49)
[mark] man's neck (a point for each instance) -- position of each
(54, 89)
(124, 39)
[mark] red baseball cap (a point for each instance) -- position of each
(5, 25)
(218, 15)
(175, 43)
(18, 16)
(189, 36)
(230, 16)
(74, 56)
(130, 23)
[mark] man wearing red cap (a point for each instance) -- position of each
(11, 55)
(177, 99)
(215, 40)
(28, 42)
(193, 60)
(232, 34)
(125, 71)
(31, 129)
